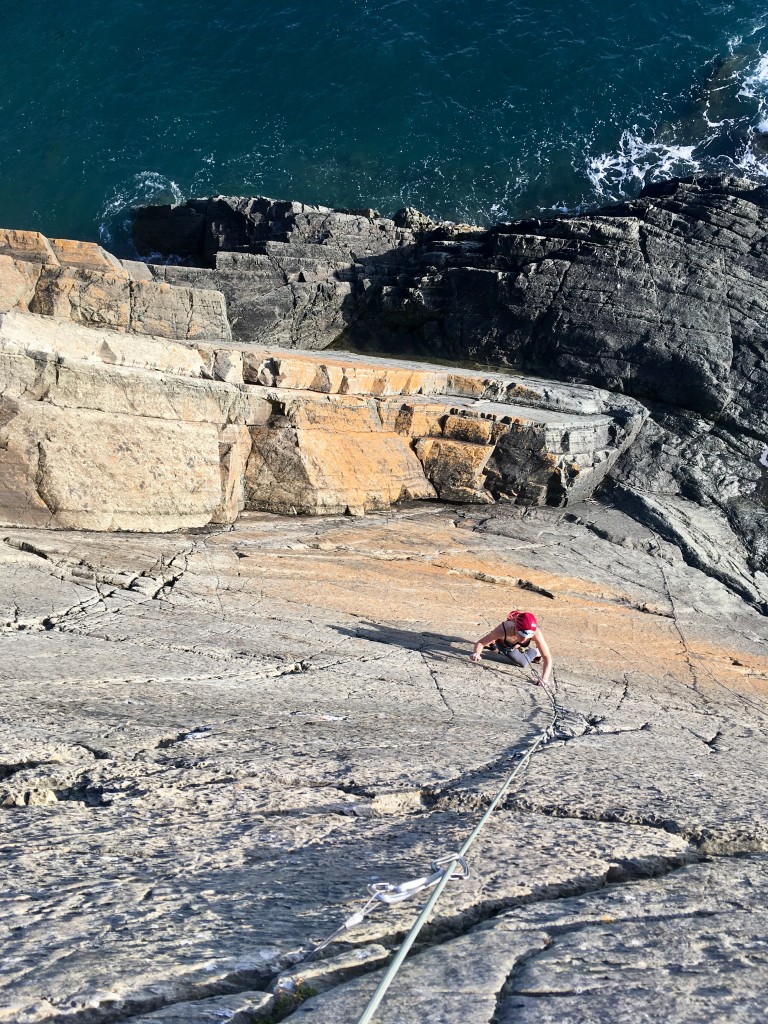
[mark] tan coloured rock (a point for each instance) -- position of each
(89, 255)
(340, 374)
(361, 374)
(329, 455)
(94, 297)
(20, 502)
(176, 412)
(466, 385)
(80, 281)
(312, 453)
(27, 245)
(177, 312)
(18, 281)
(29, 333)
(91, 470)
(386, 379)
(355, 413)
(416, 416)
(234, 449)
(73, 384)
(131, 392)
(304, 374)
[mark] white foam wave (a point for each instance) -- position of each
(638, 162)
(755, 85)
(143, 189)
(754, 165)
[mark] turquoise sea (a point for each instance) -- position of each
(476, 110)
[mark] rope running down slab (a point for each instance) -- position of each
(384, 894)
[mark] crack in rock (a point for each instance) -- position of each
(188, 734)
(7, 771)
(702, 839)
(438, 686)
(508, 989)
(462, 923)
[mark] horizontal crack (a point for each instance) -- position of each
(463, 922)
(8, 770)
(486, 577)
(702, 839)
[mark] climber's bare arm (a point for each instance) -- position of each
(489, 638)
(546, 656)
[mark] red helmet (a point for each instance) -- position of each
(525, 622)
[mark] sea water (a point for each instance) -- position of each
(474, 110)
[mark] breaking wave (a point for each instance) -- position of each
(636, 162)
(725, 129)
(143, 189)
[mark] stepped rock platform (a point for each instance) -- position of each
(133, 417)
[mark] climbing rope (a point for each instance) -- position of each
(383, 894)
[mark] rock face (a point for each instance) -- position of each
(81, 282)
(100, 434)
(100, 431)
(116, 429)
(663, 299)
(212, 743)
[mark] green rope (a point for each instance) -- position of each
(394, 967)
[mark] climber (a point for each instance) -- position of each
(521, 640)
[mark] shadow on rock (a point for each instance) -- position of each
(410, 640)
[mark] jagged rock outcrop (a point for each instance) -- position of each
(116, 428)
(663, 298)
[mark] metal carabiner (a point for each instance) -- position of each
(384, 892)
(389, 894)
(438, 865)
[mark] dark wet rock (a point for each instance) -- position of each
(663, 297)
(292, 274)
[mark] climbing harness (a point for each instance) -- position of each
(506, 648)
(383, 894)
